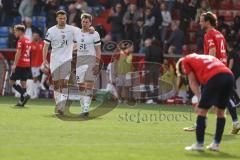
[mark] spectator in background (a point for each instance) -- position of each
(115, 19)
(12, 39)
(130, 21)
(107, 44)
(36, 62)
(166, 21)
(204, 7)
(30, 28)
(141, 4)
(200, 40)
(123, 70)
(237, 40)
(187, 13)
(234, 65)
(236, 24)
(111, 78)
(51, 7)
(234, 38)
(37, 9)
(139, 33)
(170, 5)
(158, 19)
(26, 8)
(74, 15)
(149, 4)
(149, 18)
(223, 27)
(81, 5)
(146, 44)
(9, 11)
(125, 5)
(153, 59)
(176, 38)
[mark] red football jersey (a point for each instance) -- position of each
(214, 38)
(203, 66)
(24, 45)
(36, 53)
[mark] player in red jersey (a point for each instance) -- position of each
(216, 45)
(214, 41)
(217, 81)
(21, 66)
(36, 62)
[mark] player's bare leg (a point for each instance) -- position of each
(44, 78)
(86, 92)
(60, 95)
(35, 87)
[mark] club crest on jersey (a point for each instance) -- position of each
(82, 40)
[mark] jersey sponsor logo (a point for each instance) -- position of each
(210, 42)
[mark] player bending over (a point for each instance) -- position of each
(217, 81)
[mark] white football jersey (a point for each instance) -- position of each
(86, 43)
(61, 41)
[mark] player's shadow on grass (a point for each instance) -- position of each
(104, 108)
(226, 137)
(67, 118)
(16, 107)
(161, 107)
(212, 155)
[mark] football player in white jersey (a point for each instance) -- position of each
(61, 38)
(88, 59)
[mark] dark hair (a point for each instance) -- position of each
(87, 16)
(61, 12)
(20, 27)
(211, 18)
(140, 19)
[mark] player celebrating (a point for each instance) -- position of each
(21, 66)
(36, 61)
(217, 81)
(88, 59)
(215, 45)
(61, 38)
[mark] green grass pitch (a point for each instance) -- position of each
(126, 133)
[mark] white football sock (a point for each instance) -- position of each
(57, 97)
(86, 103)
(44, 77)
(36, 88)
